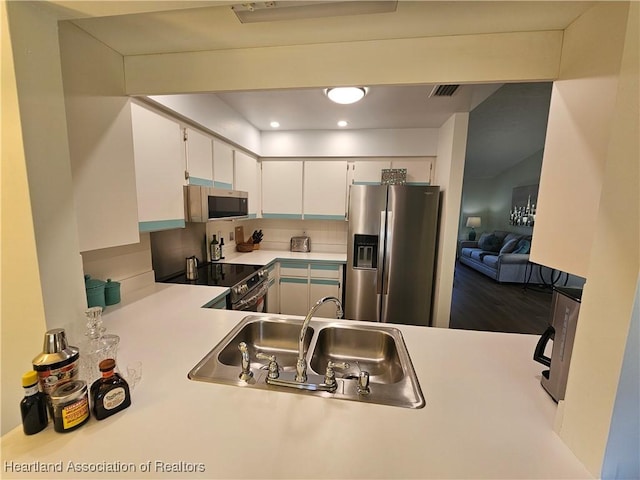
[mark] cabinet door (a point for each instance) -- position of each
(246, 179)
(222, 165)
(369, 172)
(294, 296)
(159, 159)
(319, 288)
(282, 189)
(418, 170)
(199, 158)
(325, 189)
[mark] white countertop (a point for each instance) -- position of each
(265, 257)
(486, 415)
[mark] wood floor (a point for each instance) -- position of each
(480, 303)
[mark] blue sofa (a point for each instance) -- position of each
(503, 256)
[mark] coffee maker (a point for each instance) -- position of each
(565, 306)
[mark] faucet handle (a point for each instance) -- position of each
(274, 371)
(246, 374)
(330, 375)
(363, 383)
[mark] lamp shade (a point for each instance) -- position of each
(474, 222)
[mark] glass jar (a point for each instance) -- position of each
(70, 404)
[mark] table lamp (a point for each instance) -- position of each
(473, 223)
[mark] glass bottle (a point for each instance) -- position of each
(33, 406)
(109, 394)
(215, 249)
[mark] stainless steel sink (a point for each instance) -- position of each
(369, 349)
(273, 337)
(378, 350)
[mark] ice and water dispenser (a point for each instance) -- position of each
(365, 248)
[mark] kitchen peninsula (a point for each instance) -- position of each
(486, 415)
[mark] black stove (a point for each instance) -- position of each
(217, 275)
(244, 281)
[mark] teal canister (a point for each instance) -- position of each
(112, 292)
(95, 292)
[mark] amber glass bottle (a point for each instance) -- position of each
(109, 394)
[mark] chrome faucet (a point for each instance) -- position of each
(301, 364)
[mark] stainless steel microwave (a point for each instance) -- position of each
(207, 203)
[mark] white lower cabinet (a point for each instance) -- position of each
(319, 288)
(294, 296)
(302, 284)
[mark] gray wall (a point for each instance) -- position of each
(490, 198)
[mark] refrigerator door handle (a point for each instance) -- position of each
(387, 249)
(381, 242)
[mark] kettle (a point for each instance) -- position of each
(192, 268)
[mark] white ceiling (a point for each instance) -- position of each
(383, 107)
(504, 130)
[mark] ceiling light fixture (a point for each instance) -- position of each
(346, 95)
(274, 124)
(342, 123)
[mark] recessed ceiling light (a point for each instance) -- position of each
(346, 95)
(274, 124)
(343, 123)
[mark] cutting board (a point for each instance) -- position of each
(239, 233)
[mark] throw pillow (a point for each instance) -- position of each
(490, 243)
(509, 246)
(523, 246)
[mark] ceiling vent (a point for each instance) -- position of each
(295, 10)
(443, 90)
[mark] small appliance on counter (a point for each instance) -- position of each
(191, 268)
(301, 244)
(565, 307)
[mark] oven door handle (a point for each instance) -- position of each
(248, 301)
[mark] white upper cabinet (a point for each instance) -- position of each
(282, 188)
(369, 172)
(247, 179)
(418, 169)
(222, 165)
(325, 189)
(159, 159)
(199, 153)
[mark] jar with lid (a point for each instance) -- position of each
(33, 407)
(58, 363)
(109, 394)
(70, 403)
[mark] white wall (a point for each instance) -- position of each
(521, 56)
(22, 308)
(407, 142)
(100, 141)
(452, 145)
(578, 133)
(43, 227)
(614, 259)
(327, 236)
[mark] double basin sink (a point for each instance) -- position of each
(379, 351)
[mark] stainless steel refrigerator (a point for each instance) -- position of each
(391, 253)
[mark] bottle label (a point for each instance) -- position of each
(114, 398)
(32, 390)
(75, 413)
